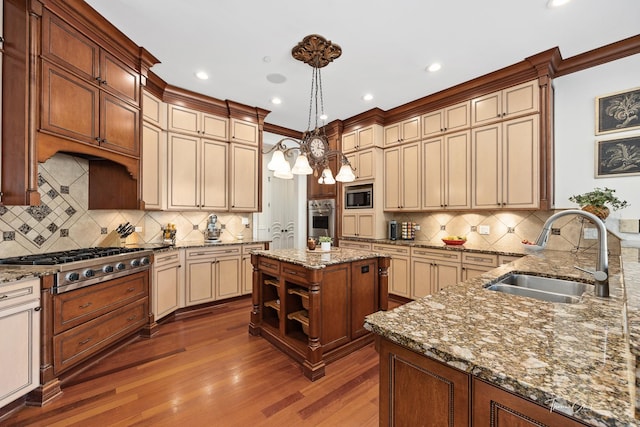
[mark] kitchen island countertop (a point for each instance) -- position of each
(574, 358)
(318, 259)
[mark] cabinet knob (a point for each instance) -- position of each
(98, 79)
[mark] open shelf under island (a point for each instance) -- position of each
(311, 304)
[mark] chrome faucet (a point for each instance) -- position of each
(601, 275)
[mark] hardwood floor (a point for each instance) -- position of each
(208, 371)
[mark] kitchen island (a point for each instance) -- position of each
(311, 304)
(487, 356)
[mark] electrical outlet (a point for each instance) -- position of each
(474, 229)
(417, 227)
(484, 229)
(138, 230)
(555, 231)
(443, 228)
(245, 221)
(590, 234)
(511, 229)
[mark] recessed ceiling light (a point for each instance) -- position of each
(275, 100)
(276, 78)
(367, 97)
(202, 75)
(556, 3)
(323, 117)
(434, 67)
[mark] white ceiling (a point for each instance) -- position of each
(386, 45)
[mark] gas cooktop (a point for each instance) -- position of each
(63, 257)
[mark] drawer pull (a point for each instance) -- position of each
(130, 318)
(83, 342)
(131, 289)
(268, 265)
(86, 305)
(293, 272)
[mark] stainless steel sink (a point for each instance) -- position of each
(542, 288)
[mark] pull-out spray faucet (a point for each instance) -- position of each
(601, 275)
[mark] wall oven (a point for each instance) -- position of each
(322, 218)
(358, 197)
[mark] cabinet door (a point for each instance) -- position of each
(166, 290)
(520, 99)
(349, 224)
(244, 178)
(154, 153)
(183, 171)
(349, 141)
(365, 165)
(215, 127)
(470, 271)
(366, 138)
(227, 280)
(364, 294)
(416, 390)
(70, 106)
(446, 274)
(432, 181)
(487, 167)
(410, 172)
(421, 277)
(520, 163)
(411, 129)
(200, 282)
(457, 117)
(457, 171)
(182, 119)
(214, 175)
(119, 79)
(432, 123)
(119, 125)
(245, 132)
(400, 276)
(366, 225)
(392, 134)
(486, 109)
(392, 178)
(154, 110)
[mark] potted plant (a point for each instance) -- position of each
(595, 201)
(325, 243)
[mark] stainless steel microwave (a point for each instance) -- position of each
(358, 196)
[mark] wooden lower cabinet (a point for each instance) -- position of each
(416, 390)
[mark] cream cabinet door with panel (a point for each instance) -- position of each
(366, 163)
(506, 164)
(247, 268)
(474, 264)
(400, 269)
(214, 176)
(244, 132)
(154, 170)
(433, 270)
(197, 123)
(402, 178)
(402, 132)
(362, 139)
(168, 285)
(358, 224)
(450, 119)
(227, 277)
(514, 101)
(20, 349)
(154, 110)
(199, 276)
(244, 178)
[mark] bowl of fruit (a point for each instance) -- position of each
(454, 240)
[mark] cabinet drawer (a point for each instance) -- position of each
(296, 272)
(437, 254)
(213, 252)
(76, 307)
(16, 293)
(246, 249)
(392, 249)
(166, 258)
(81, 342)
(269, 265)
(506, 259)
(480, 259)
(355, 245)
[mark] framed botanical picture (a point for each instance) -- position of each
(618, 157)
(618, 111)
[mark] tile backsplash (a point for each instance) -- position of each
(63, 220)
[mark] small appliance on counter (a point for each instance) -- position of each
(212, 234)
(393, 230)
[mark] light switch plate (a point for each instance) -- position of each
(245, 221)
(629, 226)
(138, 229)
(483, 229)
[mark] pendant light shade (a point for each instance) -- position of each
(346, 174)
(284, 172)
(277, 161)
(327, 177)
(301, 167)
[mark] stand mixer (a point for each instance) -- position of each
(212, 234)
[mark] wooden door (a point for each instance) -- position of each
(392, 179)
(486, 109)
(366, 164)
(227, 277)
(349, 224)
(457, 171)
(245, 132)
(400, 276)
(349, 141)
(118, 78)
(200, 281)
(470, 271)
(244, 178)
(184, 120)
(166, 290)
(520, 163)
(154, 155)
(433, 175)
(445, 275)
(520, 99)
(119, 125)
(432, 123)
(364, 294)
(457, 117)
(410, 130)
(392, 134)
(214, 177)
(421, 277)
(410, 177)
(183, 172)
(215, 127)
(366, 138)
(366, 225)
(487, 167)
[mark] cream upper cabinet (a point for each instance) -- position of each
(450, 119)
(402, 177)
(366, 163)
(244, 132)
(154, 171)
(446, 182)
(506, 164)
(185, 120)
(514, 101)
(243, 191)
(358, 224)
(197, 173)
(154, 110)
(362, 139)
(405, 131)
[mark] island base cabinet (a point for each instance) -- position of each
(418, 391)
(494, 407)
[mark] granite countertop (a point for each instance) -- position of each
(575, 358)
(318, 259)
(14, 273)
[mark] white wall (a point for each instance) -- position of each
(575, 133)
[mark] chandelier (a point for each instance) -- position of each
(313, 148)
